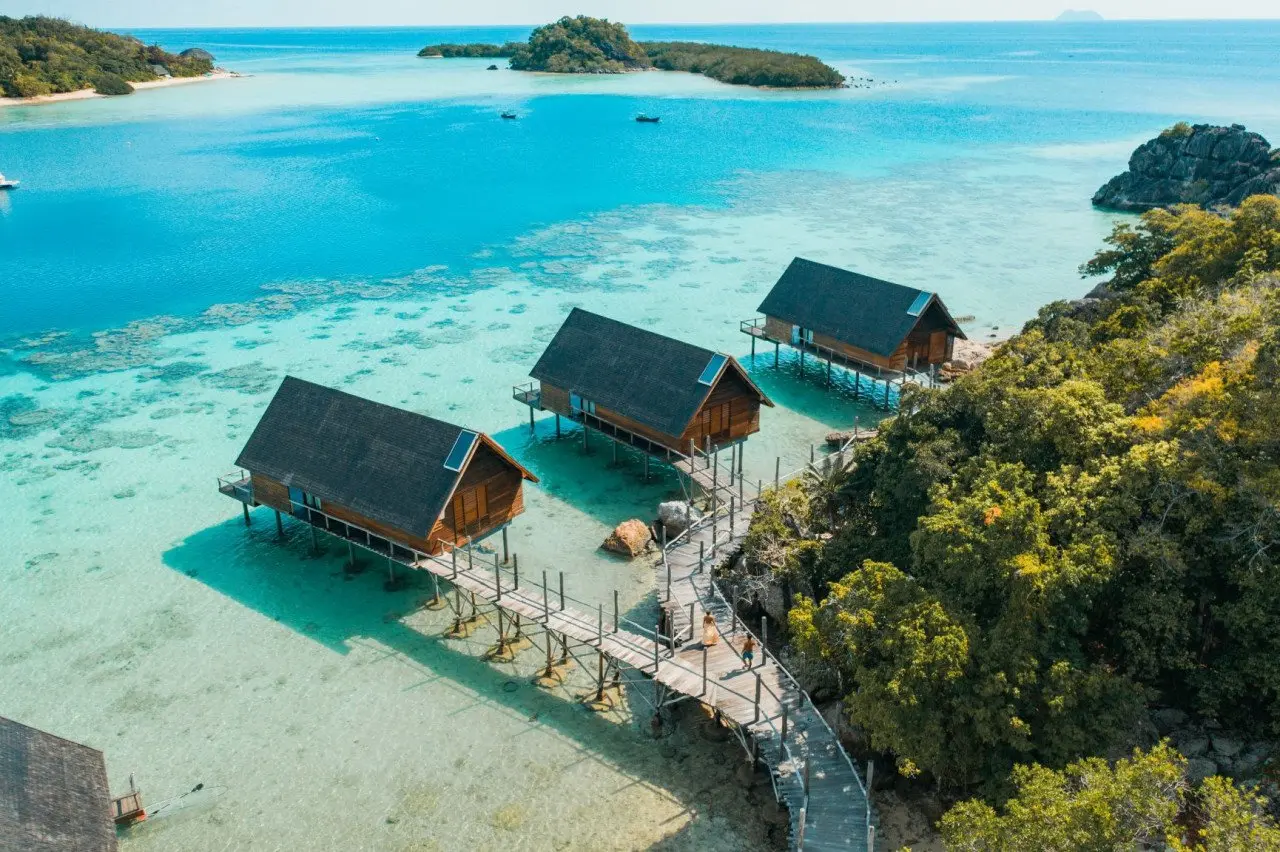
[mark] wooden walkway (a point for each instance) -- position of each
(813, 775)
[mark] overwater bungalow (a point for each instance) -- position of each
(389, 480)
(668, 398)
(877, 329)
(53, 793)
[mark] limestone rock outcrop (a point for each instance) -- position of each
(1194, 164)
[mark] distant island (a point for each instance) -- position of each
(1079, 16)
(42, 56)
(585, 45)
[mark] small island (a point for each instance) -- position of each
(585, 45)
(1079, 16)
(42, 57)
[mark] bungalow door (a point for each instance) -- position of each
(470, 509)
(938, 347)
(716, 420)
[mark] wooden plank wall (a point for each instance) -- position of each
(744, 409)
(504, 494)
(557, 400)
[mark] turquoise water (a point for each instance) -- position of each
(357, 216)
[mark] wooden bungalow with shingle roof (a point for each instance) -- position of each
(886, 330)
(659, 394)
(53, 793)
(387, 479)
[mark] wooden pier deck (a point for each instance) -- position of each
(813, 775)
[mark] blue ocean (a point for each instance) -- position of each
(350, 213)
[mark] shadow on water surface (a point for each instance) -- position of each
(313, 596)
(834, 406)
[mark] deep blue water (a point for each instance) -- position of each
(128, 212)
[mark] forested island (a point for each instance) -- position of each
(585, 45)
(1067, 557)
(47, 56)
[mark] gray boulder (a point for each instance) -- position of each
(1225, 746)
(676, 517)
(1201, 164)
(1200, 768)
(1192, 744)
(1168, 719)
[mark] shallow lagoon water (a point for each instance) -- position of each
(420, 252)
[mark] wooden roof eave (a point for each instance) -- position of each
(942, 306)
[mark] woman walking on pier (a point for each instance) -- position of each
(710, 636)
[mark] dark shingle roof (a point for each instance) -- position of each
(385, 463)
(644, 376)
(856, 309)
(53, 793)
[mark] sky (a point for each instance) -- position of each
(268, 13)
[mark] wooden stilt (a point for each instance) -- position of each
(515, 571)
(599, 676)
(435, 601)
(497, 578)
(731, 515)
(505, 557)
(245, 506)
(777, 473)
(733, 463)
(531, 426)
(615, 610)
(702, 556)
(453, 558)
(784, 722)
(351, 554)
(391, 571)
(562, 591)
(646, 467)
(586, 436)
(828, 372)
(279, 525)
(557, 427)
(857, 383)
(615, 451)
(315, 542)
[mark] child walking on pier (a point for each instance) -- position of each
(748, 652)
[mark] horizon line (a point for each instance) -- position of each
(691, 23)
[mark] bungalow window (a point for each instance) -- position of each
(577, 403)
(715, 419)
(311, 500)
(799, 334)
(470, 507)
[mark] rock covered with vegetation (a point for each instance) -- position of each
(45, 56)
(1194, 164)
(1087, 524)
(744, 66)
(580, 45)
(585, 45)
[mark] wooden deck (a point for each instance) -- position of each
(814, 776)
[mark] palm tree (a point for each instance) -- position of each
(823, 482)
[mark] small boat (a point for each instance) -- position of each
(8, 184)
(510, 116)
(648, 119)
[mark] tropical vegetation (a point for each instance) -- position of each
(45, 56)
(1019, 565)
(744, 66)
(585, 45)
(1140, 802)
(474, 49)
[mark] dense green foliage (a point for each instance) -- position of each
(580, 45)
(44, 56)
(112, 84)
(1142, 802)
(744, 66)
(1089, 522)
(584, 45)
(476, 49)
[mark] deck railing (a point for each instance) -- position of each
(529, 394)
(238, 485)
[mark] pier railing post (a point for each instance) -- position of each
(562, 591)
(497, 578)
(515, 570)
(784, 721)
(704, 670)
(734, 628)
(732, 507)
(691, 620)
(668, 564)
(615, 610)
(764, 638)
(546, 610)
(777, 473)
(702, 555)
(657, 640)
(453, 559)
(757, 701)
(599, 625)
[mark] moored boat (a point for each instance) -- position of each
(509, 115)
(648, 119)
(8, 184)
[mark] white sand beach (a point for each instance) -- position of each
(86, 94)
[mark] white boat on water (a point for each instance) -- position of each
(8, 184)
